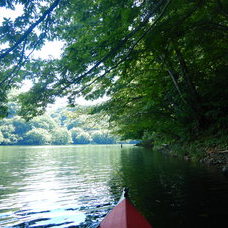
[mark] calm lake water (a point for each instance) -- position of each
(75, 186)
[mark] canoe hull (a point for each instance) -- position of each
(124, 215)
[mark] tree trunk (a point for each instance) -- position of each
(193, 96)
(173, 76)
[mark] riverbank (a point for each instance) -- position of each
(212, 151)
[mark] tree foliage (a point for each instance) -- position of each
(163, 63)
(61, 136)
(53, 128)
(38, 136)
(100, 137)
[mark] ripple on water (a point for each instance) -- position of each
(68, 186)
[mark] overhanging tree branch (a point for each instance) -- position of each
(131, 48)
(30, 29)
(16, 68)
(123, 41)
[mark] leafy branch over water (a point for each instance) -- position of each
(162, 63)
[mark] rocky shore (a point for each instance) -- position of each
(212, 157)
(218, 159)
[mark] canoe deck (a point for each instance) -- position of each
(124, 215)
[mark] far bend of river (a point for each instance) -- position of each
(75, 186)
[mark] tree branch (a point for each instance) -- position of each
(30, 29)
(16, 68)
(131, 48)
(121, 42)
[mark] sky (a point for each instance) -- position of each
(49, 50)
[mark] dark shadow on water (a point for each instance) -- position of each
(172, 192)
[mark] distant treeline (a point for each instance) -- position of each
(56, 128)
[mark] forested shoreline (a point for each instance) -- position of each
(163, 64)
(56, 128)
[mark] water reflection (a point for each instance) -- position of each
(43, 186)
(75, 186)
(173, 193)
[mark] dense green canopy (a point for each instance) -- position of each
(162, 63)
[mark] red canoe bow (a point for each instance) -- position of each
(124, 215)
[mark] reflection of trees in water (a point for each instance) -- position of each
(12, 172)
(169, 192)
(76, 170)
(133, 172)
